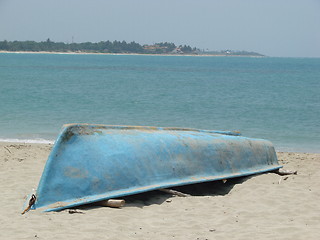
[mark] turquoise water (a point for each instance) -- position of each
(272, 98)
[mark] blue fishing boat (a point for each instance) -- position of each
(90, 163)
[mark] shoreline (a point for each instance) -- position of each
(131, 54)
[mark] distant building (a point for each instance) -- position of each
(177, 51)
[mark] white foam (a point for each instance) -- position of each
(37, 140)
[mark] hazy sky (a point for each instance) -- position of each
(286, 28)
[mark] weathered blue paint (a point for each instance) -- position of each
(90, 163)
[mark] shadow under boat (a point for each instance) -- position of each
(156, 197)
(214, 188)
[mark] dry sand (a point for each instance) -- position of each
(257, 207)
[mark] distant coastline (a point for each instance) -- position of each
(134, 54)
(114, 48)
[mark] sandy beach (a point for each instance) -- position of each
(266, 206)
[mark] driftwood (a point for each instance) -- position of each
(114, 203)
(8, 150)
(72, 211)
(282, 178)
(174, 192)
(283, 172)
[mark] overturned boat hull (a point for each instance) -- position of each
(89, 163)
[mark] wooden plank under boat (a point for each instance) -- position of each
(90, 163)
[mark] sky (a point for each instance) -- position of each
(277, 28)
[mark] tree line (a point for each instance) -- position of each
(99, 47)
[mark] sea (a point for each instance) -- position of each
(270, 98)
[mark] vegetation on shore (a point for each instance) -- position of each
(112, 47)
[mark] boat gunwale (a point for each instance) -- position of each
(147, 128)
